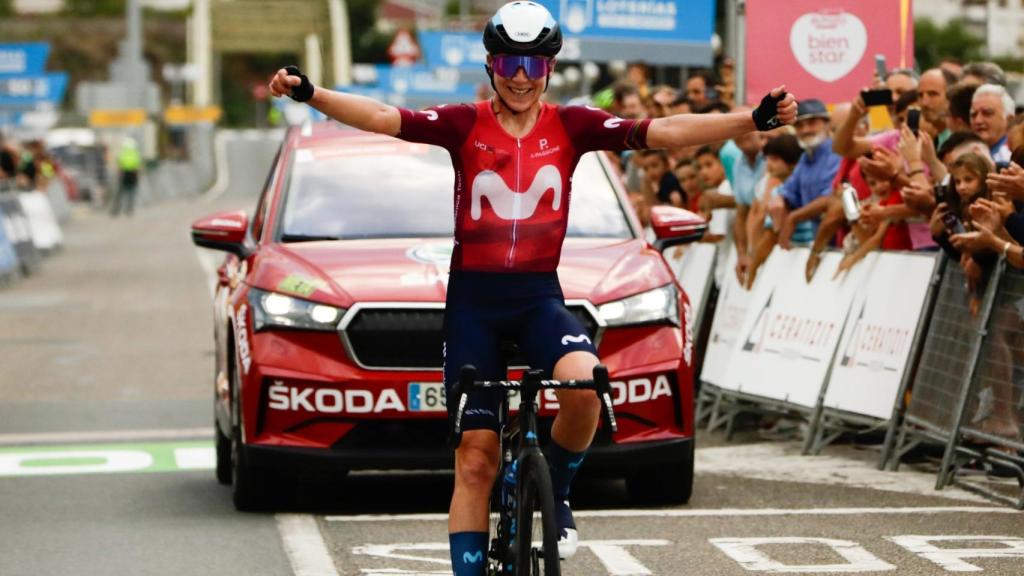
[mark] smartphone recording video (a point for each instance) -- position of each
(877, 97)
(953, 223)
(914, 120)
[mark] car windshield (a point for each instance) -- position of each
(392, 190)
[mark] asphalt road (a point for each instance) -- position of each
(106, 458)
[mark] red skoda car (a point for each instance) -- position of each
(330, 301)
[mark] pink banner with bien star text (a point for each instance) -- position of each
(824, 48)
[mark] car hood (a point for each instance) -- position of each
(416, 270)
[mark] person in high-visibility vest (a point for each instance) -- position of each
(129, 161)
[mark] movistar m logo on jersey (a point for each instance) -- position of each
(473, 558)
(575, 339)
(509, 204)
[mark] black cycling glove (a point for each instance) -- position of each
(766, 115)
(303, 91)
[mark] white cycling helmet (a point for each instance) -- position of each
(523, 28)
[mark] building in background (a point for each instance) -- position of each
(999, 22)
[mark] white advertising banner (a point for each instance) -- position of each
(792, 327)
(692, 264)
(875, 347)
(46, 234)
(733, 301)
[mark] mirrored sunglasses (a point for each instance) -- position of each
(535, 67)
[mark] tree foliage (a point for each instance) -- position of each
(932, 43)
(368, 43)
(95, 7)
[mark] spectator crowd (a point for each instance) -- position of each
(938, 166)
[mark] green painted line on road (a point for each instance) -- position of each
(106, 458)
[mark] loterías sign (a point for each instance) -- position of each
(824, 49)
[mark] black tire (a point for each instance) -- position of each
(247, 488)
(535, 492)
(223, 444)
(670, 483)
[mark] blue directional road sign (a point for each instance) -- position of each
(453, 49)
(31, 90)
(415, 85)
(23, 59)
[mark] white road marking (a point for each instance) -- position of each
(951, 559)
(782, 461)
(103, 436)
(305, 546)
(611, 553)
(617, 560)
(195, 458)
(745, 552)
(74, 462)
(396, 551)
(707, 513)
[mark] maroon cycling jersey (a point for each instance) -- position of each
(512, 194)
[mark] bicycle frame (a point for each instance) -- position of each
(528, 444)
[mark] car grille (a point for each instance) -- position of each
(408, 338)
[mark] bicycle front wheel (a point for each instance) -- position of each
(535, 493)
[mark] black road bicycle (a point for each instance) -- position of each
(512, 550)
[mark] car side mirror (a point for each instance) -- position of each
(673, 226)
(222, 231)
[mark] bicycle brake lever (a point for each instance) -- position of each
(604, 392)
(459, 395)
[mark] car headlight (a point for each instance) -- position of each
(273, 310)
(658, 305)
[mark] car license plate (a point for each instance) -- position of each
(426, 397)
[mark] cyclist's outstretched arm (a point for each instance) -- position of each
(357, 111)
(776, 109)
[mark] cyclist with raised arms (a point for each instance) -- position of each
(508, 153)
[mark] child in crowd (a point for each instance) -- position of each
(781, 155)
(686, 173)
(952, 216)
(716, 200)
(872, 230)
(662, 185)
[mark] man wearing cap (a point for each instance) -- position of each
(804, 197)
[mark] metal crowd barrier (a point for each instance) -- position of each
(961, 390)
(950, 348)
(990, 414)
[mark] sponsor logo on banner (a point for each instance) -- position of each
(578, 15)
(825, 49)
(876, 346)
(828, 45)
(790, 335)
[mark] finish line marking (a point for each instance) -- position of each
(106, 459)
(708, 513)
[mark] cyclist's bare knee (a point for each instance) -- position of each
(476, 460)
(578, 365)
